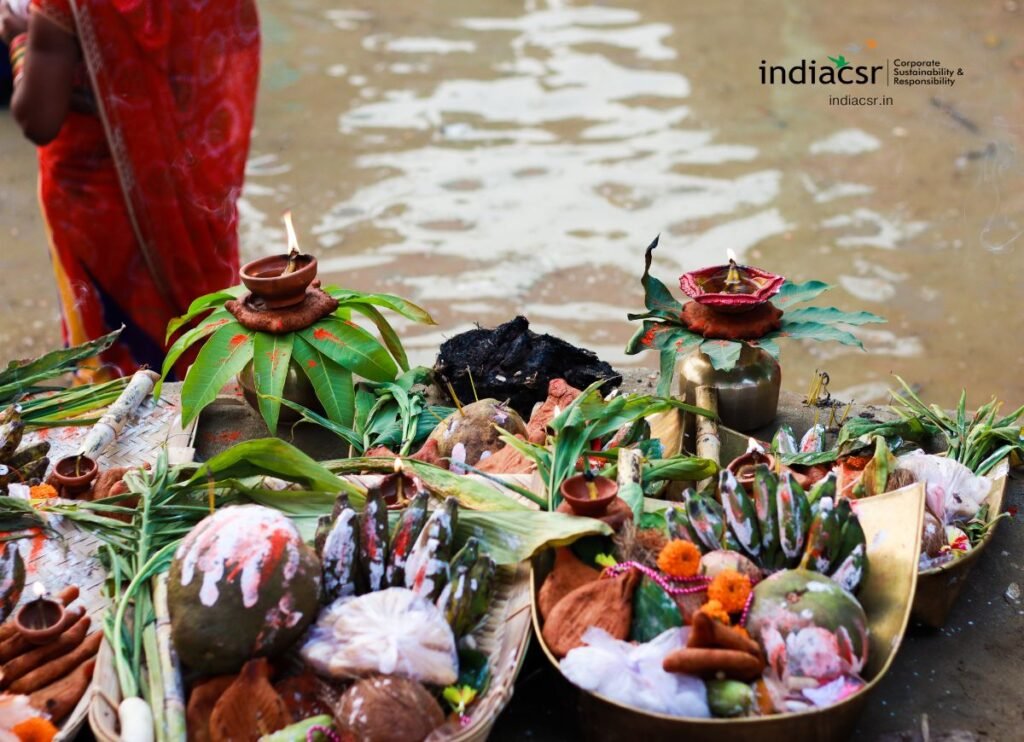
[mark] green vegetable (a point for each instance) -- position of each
(301, 731)
(728, 699)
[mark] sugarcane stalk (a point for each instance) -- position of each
(173, 700)
(708, 445)
(106, 430)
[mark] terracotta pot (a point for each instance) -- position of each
(41, 620)
(266, 279)
(74, 474)
(575, 492)
(297, 388)
(748, 394)
(742, 467)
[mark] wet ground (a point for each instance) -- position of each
(488, 158)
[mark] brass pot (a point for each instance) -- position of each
(748, 394)
(297, 388)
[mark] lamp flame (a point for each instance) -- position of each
(730, 253)
(38, 589)
(293, 241)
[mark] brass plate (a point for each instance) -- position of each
(892, 525)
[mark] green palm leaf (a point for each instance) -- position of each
(224, 355)
(352, 347)
(723, 353)
(331, 382)
(271, 356)
(219, 318)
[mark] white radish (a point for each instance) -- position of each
(136, 720)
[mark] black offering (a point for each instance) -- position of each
(512, 362)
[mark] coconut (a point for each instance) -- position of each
(242, 584)
(797, 599)
(715, 562)
(388, 709)
(470, 434)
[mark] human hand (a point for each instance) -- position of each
(11, 24)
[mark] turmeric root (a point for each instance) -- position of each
(714, 663)
(59, 667)
(29, 661)
(59, 699)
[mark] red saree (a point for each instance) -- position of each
(140, 198)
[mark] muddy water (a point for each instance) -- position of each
(488, 158)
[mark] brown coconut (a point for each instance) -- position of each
(388, 708)
(933, 535)
(250, 707)
(715, 562)
(475, 430)
(568, 574)
(606, 603)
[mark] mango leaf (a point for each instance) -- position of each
(217, 319)
(767, 345)
(407, 309)
(352, 347)
(205, 303)
(331, 382)
(54, 363)
(825, 315)
(814, 331)
(657, 298)
(224, 355)
(662, 336)
(273, 457)
(796, 293)
(271, 356)
(342, 431)
(723, 353)
(654, 612)
(387, 333)
(509, 537)
(811, 458)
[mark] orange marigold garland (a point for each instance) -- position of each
(679, 559)
(731, 590)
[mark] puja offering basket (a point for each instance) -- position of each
(892, 526)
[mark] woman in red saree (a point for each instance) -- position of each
(143, 111)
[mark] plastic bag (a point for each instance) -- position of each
(952, 491)
(631, 674)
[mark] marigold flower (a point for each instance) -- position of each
(731, 589)
(679, 559)
(36, 729)
(715, 610)
(42, 492)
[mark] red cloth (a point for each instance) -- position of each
(141, 200)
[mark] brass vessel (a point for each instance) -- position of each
(748, 394)
(297, 388)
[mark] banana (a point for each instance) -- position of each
(34, 471)
(740, 513)
(707, 521)
(852, 533)
(28, 453)
(823, 538)
(784, 442)
(406, 532)
(794, 514)
(481, 589)
(427, 570)
(678, 523)
(813, 440)
(765, 486)
(853, 569)
(823, 488)
(373, 541)
(339, 553)
(10, 435)
(12, 578)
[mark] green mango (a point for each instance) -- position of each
(729, 699)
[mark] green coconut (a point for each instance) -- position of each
(471, 434)
(243, 584)
(798, 598)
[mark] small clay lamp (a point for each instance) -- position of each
(42, 619)
(589, 495)
(398, 488)
(74, 474)
(280, 281)
(731, 288)
(743, 467)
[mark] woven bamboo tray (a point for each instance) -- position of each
(504, 638)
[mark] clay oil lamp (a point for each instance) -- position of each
(42, 619)
(731, 288)
(280, 281)
(589, 495)
(743, 466)
(75, 474)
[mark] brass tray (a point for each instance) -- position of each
(892, 525)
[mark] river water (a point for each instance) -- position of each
(493, 157)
